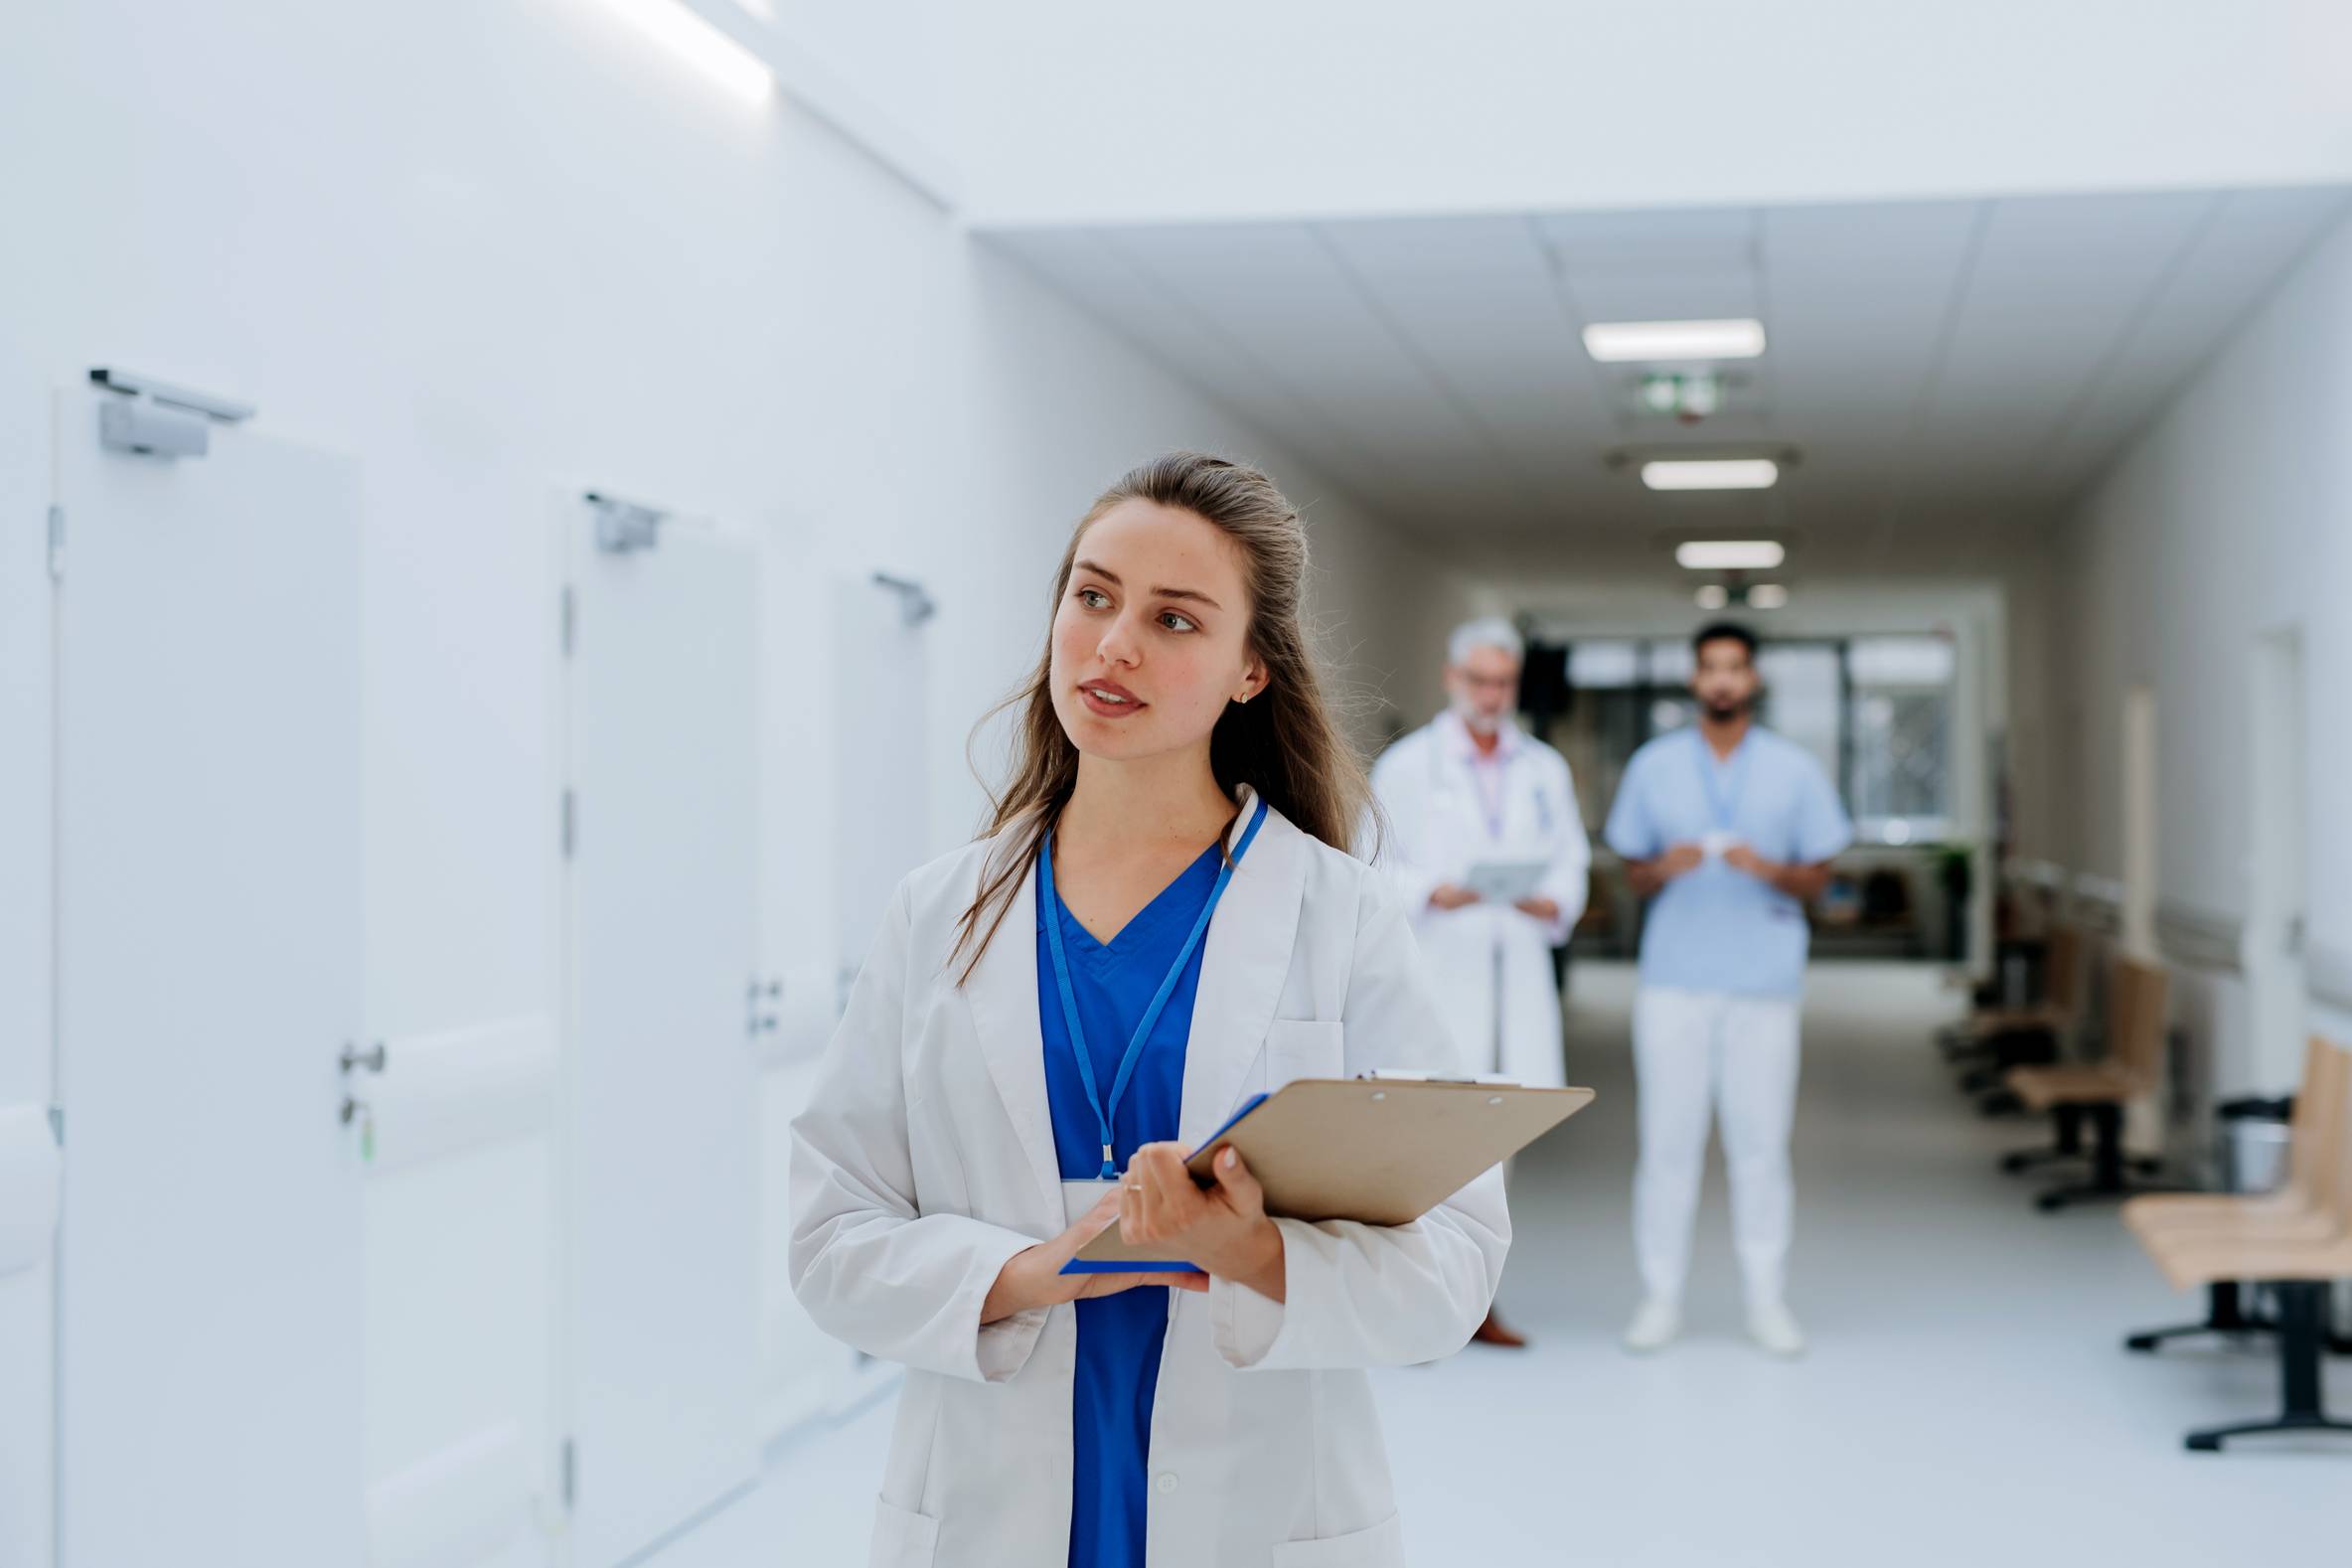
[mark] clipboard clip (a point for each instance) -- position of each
(1409, 1075)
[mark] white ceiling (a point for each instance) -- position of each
(1930, 363)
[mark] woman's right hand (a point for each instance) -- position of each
(1032, 1277)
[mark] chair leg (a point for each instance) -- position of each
(2225, 1314)
(2302, 1306)
(2068, 1144)
(2108, 1179)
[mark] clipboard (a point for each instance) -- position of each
(1384, 1149)
(1505, 881)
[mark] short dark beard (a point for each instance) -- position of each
(1724, 713)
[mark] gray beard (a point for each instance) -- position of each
(1477, 724)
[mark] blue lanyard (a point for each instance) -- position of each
(1725, 804)
(1142, 1030)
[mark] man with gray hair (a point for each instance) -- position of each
(1487, 847)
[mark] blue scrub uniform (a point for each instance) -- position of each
(1119, 1336)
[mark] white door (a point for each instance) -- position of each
(208, 922)
(881, 769)
(2273, 952)
(661, 1148)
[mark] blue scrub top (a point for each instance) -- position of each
(1717, 928)
(1119, 1336)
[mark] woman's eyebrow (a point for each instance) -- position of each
(1112, 578)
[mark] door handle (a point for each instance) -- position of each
(373, 1059)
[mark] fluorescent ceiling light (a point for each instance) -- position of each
(1715, 473)
(1729, 555)
(1612, 342)
(699, 42)
(1768, 596)
(1712, 597)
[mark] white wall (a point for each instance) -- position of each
(491, 248)
(2230, 517)
(1074, 111)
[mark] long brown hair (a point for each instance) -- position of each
(1287, 744)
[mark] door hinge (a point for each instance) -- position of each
(571, 822)
(57, 1125)
(570, 619)
(57, 543)
(571, 1472)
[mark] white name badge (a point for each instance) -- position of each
(1079, 1197)
(1713, 845)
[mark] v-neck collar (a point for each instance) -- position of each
(1148, 917)
(1245, 957)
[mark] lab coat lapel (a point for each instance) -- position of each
(1245, 961)
(1002, 996)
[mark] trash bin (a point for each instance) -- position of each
(2252, 1149)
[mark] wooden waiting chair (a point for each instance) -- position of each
(2062, 956)
(2297, 1212)
(1995, 1039)
(2279, 1245)
(2097, 1092)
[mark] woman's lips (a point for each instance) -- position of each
(1109, 702)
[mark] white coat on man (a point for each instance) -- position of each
(1491, 962)
(925, 1160)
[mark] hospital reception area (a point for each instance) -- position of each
(799, 784)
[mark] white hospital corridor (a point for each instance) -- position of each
(787, 785)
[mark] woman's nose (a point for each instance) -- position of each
(1119, 643)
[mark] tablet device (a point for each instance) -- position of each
(1505, 881)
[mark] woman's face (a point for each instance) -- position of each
(1150, 637)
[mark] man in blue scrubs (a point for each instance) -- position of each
(1728, 829)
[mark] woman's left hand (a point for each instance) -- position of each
(1221, 1228)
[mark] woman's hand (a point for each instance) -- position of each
(1224, 1228)
(1032, 1277)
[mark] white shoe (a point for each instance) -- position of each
(1773, 1327)
(1654, 1325)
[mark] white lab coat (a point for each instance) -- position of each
(1492, 963)
(925, 1159)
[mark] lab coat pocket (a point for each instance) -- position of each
(903, 1538)
(1381, 1546)
(1295, 1049)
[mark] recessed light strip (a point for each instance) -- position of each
(1715, 473)
(1617, 341)
(697, 40)
(1729, 555)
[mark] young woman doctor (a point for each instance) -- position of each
(1163, 920)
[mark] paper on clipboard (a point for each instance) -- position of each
(1505, 881)
(1384, 1151)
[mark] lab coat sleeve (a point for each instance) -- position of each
(1397, 783)
(1567, 881)
(871, 1269)
(1358, 1294)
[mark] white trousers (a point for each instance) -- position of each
(1696, 1051)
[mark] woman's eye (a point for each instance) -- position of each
(1093, 598)
(1176, 623)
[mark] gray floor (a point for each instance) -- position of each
(1966, 1400)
